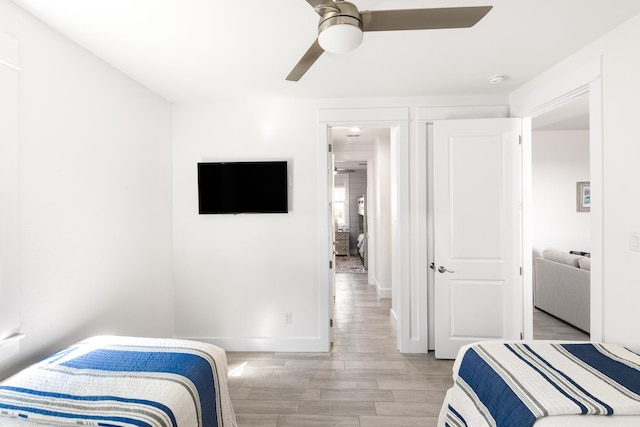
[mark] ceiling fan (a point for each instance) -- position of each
(341, 26)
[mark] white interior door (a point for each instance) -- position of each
(477, 232)
(332, 241)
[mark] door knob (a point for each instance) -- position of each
(442, 269)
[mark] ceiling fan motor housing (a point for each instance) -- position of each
(340, 32)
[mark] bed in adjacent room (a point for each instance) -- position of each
(543, 383)
(122, 381)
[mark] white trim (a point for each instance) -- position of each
(325, 297)
(429, 114)
(10, 346)
(11, 340)
(596, 172)
(527, 231)
(547, 91)
(535, 98)
(301, 345)
(394, 320)
(382, 292)
(370, 117)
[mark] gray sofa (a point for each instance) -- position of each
(562, 287)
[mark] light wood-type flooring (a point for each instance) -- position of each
(546, 327)
(362, 382)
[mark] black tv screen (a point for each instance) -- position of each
(243, 187)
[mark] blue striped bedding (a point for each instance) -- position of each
(123, 381)
(517, 383)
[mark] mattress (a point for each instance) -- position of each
(122, 381)
(543, 383)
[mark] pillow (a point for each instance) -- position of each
(562, 257)
(585, 263)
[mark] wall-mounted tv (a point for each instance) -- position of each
(243, 187)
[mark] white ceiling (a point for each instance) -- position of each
(193, 50)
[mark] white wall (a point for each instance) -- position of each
(621, 91)
(621, 210)
(95, 196)
(237, 275)
(9, 199)
(559, 160)
(382, 218)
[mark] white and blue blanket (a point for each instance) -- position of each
(515, 383)
(123, 381)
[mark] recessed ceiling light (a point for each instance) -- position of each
(355, 129)
(498, 78)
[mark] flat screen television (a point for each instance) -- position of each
(243, 187)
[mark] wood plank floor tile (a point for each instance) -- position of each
(337, 408)
(363, 381)
(284, 394)
(367, 421)
(257, 420)
(252, 406)
(357, 395)
(318, 421)
(429, 409)
(418, 396)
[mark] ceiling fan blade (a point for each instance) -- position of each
(323, 6)
(306, 62)
(422, 19)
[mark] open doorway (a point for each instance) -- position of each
(350, 213)
(363, 203)
(561, 223)
(400, 286)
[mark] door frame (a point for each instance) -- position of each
(398, 120)
(535, 98)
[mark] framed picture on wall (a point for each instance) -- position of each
(583, 196)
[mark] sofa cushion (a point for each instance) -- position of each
(585, 263)
(562, 257)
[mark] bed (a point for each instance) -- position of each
(543, 383)
(122, 381)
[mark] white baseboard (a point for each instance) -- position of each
(394, 320)
(10, 346)
(382, 292)
(288, 345)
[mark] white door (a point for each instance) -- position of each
(332, 241)
(477, 232)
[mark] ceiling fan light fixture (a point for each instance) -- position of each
(340, 34)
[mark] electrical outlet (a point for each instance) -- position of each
(634, 241)
(288, 318)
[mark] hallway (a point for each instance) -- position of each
(362, 382)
